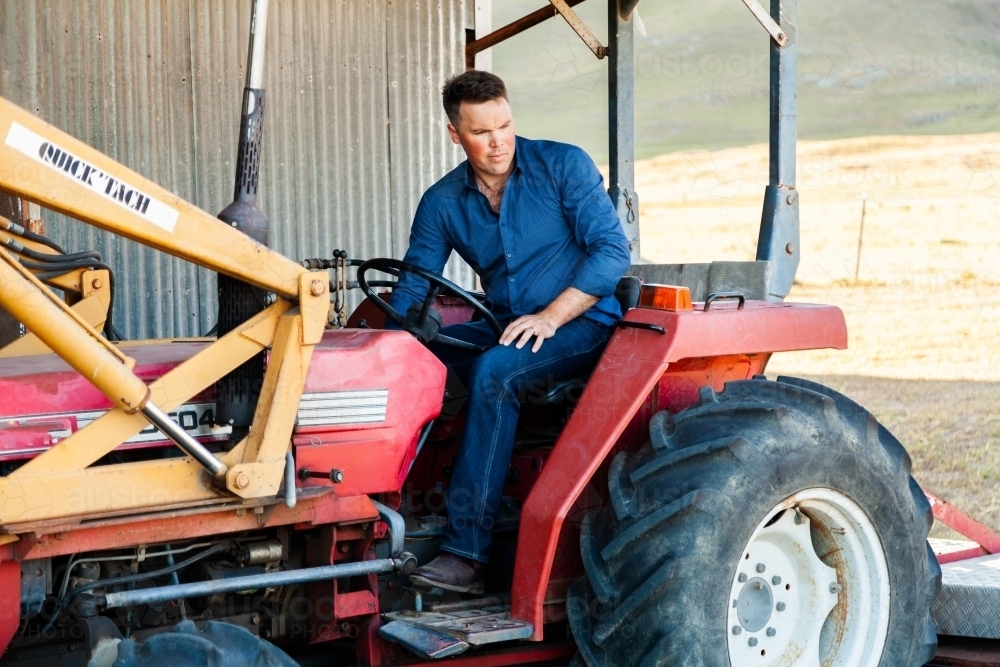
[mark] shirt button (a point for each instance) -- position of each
(508, 254)
(511, 280)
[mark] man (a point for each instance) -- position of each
(533, 220)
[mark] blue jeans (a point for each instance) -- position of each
(496, 381)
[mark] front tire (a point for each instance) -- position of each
(215, 645)
(785, 479)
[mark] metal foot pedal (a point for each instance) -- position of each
(474, 622)
(969, 600)
(425, 642)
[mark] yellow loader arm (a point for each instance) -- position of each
(42, 164)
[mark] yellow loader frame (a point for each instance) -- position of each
(47, 166)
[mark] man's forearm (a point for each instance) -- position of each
(568, 306)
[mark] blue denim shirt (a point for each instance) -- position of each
(557, 228)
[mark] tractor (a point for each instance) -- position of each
(266, 491)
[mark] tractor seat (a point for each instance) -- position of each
(627, 294)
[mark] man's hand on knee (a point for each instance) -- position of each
(567, 306)
(540, 326)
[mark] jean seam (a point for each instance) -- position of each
(463, 553)
(496, 428)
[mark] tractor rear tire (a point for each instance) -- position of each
(216, 645)
(684, 563)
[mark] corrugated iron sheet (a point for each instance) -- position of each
(426, 45)
(353, 128)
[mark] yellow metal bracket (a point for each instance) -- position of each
(95, 289)
(46, 166)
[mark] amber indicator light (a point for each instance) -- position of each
(665, 297)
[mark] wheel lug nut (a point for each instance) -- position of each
(752, 641)
(737, 630)
(742, 578)
(775, 580)
(835, 588)
(780, 606)
(760, 567)
(771, 632)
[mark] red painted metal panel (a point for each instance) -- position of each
(452, 310)
(356, 603)
(759, 328)
(964, 554)
(345, 360)
(965, 525)
(10, 601)
(633, 363)
(132, 532)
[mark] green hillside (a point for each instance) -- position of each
(865, 68)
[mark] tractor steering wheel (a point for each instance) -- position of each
(421, 320)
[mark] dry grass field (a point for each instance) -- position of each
(923, 310)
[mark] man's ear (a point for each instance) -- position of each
(454, 134)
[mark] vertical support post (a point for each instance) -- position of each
(621, 123)
(484, 26)
(779, 225)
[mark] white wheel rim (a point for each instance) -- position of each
(829, 606)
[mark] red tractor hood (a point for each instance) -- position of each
(362, 385)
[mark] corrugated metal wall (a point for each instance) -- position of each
(353, 129)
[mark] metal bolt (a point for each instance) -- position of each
(318, 287)
(771, 632)
(790, 199)
(775, 580)
(242, 481)
(742, 578)
(835, 588)
(790, 248)
(336, 476)
(798, 517)
(752, 641)
(760, 567)
(255, 620)
(780, 606)
(737, 630)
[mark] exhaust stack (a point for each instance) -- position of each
(237, 393)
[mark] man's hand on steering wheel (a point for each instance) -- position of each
(422, 320)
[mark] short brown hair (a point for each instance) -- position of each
(474, 87)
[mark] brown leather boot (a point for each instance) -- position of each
(450, 572)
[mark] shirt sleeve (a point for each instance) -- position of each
(429, 249)
(595, 225)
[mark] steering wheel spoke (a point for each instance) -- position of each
(460, 344)
(437, 285)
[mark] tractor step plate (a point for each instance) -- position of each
(969, 602)
(473, 627)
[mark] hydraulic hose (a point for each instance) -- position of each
(49, 257)
(54, 270)
(18, 230)
(170, 569)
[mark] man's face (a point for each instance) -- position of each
(486, 132)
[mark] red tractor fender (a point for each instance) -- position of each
(632, 365)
